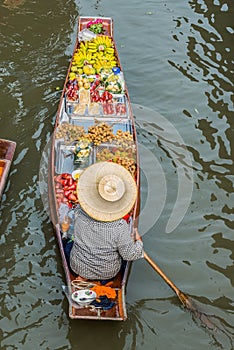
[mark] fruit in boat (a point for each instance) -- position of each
(72, 90)
(65, 188)
(72, 76)
(91, 56)
(100, 133)
(101, 43)
(89, 70)
(83, 82)
(122, 156)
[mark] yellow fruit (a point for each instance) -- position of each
(86, 85)
(72, 76)
(110, 50)
(91, 56)
(86, 70)
(74, 69)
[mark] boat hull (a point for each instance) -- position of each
(57, 167)
(7, 150)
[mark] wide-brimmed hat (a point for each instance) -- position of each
(106, 191)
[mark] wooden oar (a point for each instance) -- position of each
(185, 299)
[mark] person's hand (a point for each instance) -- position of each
(136, 235)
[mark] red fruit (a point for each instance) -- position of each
(72, 197)
(57, 178)
(72, 187)
(65, 200)
(59, 190)
(66, 176)
(67, 193)
(64, 182)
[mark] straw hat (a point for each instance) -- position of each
(106, 191)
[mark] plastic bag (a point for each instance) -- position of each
(86, 35)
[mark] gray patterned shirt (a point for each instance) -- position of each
(98, 247)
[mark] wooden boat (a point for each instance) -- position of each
(77, 111)
(7, 150)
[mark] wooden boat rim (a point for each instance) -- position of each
(5, 161)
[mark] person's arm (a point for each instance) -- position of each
(128, 248)
(137, 236)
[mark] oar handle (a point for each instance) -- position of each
(161, 273)
(183, 297)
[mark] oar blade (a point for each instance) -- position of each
(191, 305)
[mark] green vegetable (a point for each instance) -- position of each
(97, 28)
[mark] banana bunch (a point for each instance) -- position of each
(101, 43)
(104, 62)
(91, 56)
(81, 58)
(83, 46)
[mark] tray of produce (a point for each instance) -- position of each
(72, 157)
(105, 105)
(90, 94)
(123, 154)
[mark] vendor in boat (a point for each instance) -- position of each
(102, 239)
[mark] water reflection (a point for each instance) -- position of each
(30, 299)
(221, 331)
(154, 130)
(209, 49)
(222, 243)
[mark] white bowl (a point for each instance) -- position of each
(76, 174)
(84, 296)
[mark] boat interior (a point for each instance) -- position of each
(76, 117)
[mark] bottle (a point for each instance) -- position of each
(65, 226)
(119, 73)
(122, 81)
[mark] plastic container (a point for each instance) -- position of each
(84, 297)
(117, 71)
